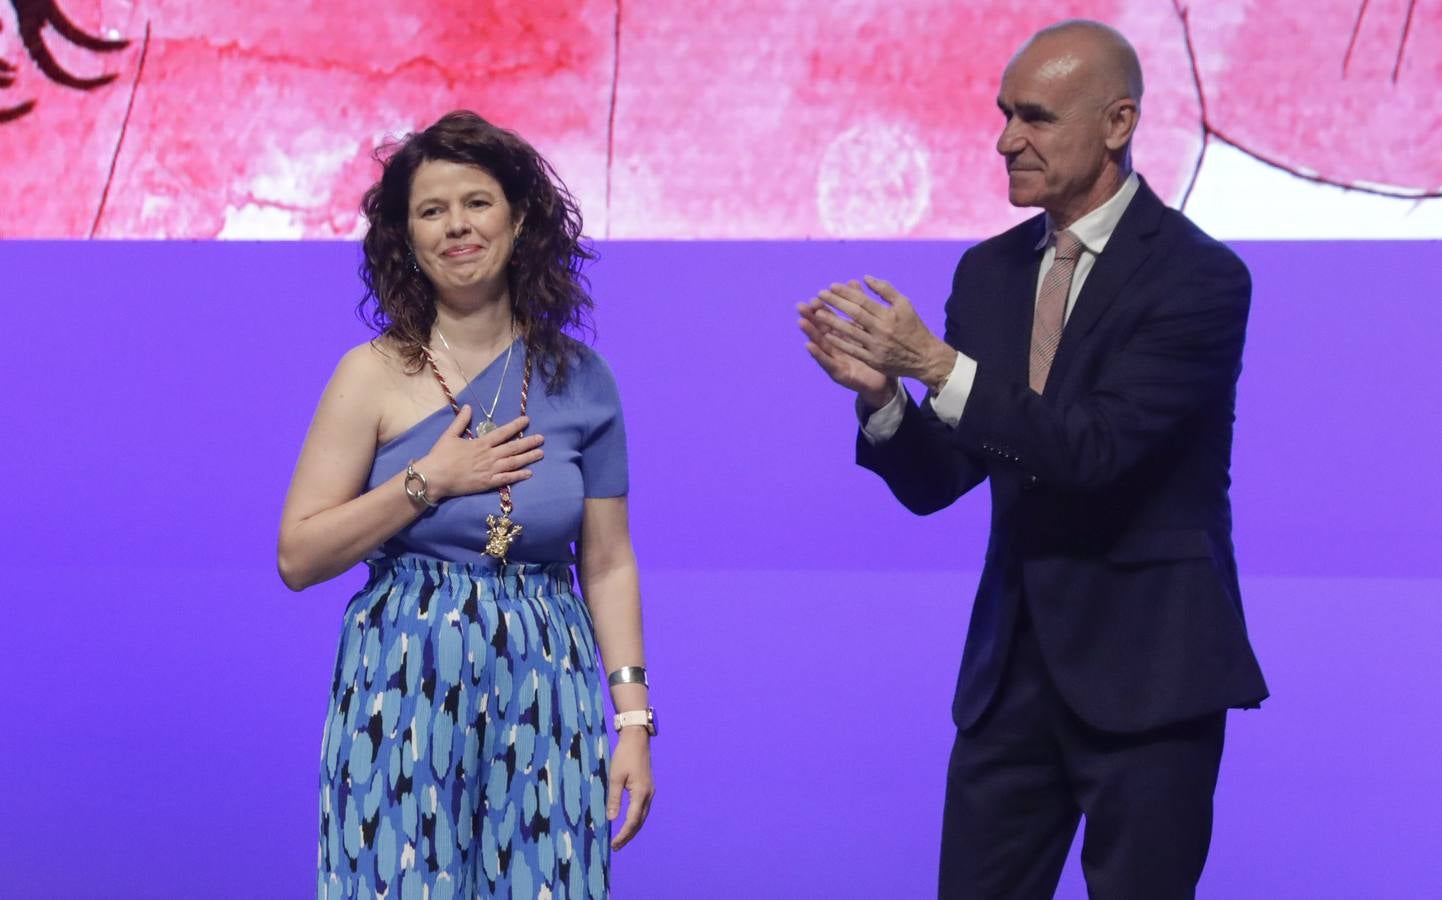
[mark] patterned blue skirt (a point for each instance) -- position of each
(465, 749)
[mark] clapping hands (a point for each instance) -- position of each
(865, 343)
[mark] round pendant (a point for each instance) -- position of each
(485, 427)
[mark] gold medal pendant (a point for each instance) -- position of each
(500, 532)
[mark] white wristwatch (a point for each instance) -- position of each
(646, 718)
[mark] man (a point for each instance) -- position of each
(1088, 371)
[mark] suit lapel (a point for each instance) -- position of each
(1128, 247)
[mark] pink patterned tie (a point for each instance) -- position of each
(1051, 308)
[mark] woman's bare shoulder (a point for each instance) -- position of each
(371, 363)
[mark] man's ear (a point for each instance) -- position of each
(1121, 122)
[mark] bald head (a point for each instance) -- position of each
(1093, 52)
(1071, 96)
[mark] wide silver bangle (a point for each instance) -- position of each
(628, 675)
(417, 495)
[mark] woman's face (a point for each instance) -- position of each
(461, 227)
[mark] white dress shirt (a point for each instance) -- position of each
(1093, 230)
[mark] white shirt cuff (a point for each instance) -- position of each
(881, 426)
(951, 402)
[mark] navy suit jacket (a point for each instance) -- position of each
(1110, 515)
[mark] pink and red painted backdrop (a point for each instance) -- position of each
(669, 118)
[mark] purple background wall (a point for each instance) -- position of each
(164, 692)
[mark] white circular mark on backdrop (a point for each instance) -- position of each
(875, 181)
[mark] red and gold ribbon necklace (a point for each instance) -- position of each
(501, 531)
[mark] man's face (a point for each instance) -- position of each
(1054, 140)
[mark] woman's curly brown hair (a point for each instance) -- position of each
(549, 294)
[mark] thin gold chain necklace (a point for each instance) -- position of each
(489, 424)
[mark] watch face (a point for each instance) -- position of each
(651, 720)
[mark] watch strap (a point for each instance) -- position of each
(646, 718)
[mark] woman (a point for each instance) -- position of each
(460, 454)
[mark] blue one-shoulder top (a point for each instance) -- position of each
(585, 456)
